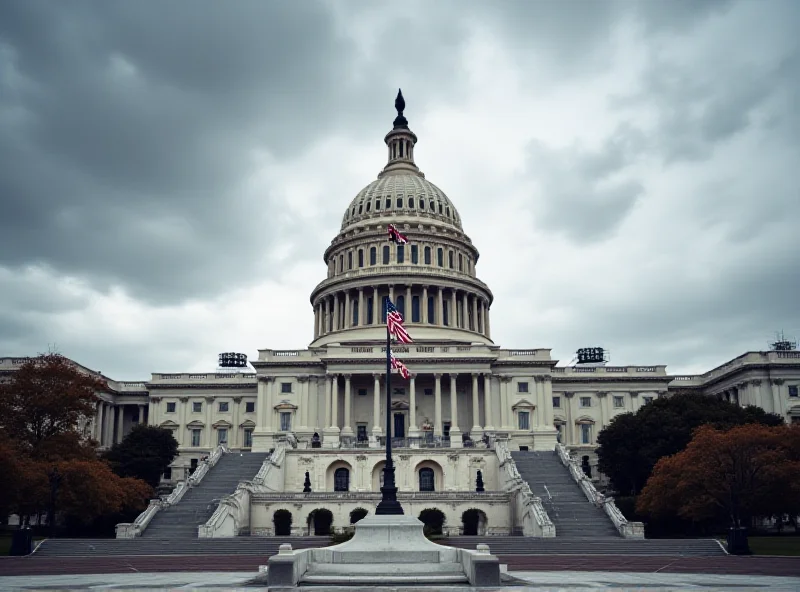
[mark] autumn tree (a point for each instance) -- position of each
(632, 443)
(748, 470)
(44, 403)
(144, 453)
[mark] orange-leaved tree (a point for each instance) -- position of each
(44, 402)
(748, 470)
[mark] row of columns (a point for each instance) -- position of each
(306, 419)
(750, 392)
(466, 310)
(182, 434)
(108, 422)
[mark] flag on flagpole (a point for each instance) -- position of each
(396, 236)
(400, 367)
(394, 323)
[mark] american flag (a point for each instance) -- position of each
(394, 322)
(396, 236)
(399, 366)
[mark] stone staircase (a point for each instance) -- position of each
(198, 503)
(563, 499)
(266, 546)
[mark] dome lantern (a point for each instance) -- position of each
(400, 142)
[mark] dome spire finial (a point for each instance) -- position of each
(400, 122)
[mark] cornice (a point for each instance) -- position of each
(608, 379)
(203, 386)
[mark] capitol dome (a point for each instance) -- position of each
(430, 277)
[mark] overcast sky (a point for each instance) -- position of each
(171, 172)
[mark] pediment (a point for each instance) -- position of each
(285, 406)
(559, 419)
(221, 423)
(400, 406)
(247, 423)
(169, 425)
(196, 424)
(584, 419)
(523, 404)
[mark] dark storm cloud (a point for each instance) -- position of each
(582, 194)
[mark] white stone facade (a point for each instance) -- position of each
(462, 384)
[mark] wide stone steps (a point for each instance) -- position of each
(563, 499)
(500, 545)
(199, 503)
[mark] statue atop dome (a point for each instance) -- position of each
(400, 122)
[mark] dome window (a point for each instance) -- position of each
(388, 202)
(361, 209)
(399, 201)
(421, 204)
(410, 203)
(440, 257)
(427, 255)
(440, 207)
(369, 205)
(361, 257)
(448, 211)
(353, 210)
(386, 254)
(377, 203)
(373, 255)
(433, 206)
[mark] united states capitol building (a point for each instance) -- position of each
(467, 405)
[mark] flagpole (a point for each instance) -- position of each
(388, 504)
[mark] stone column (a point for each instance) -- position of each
(328, 406)
(547, 383)
(209, 435)
(336, 312)
(316, 321)
(362, 313)
(487, 403)
(453, 310)
(602, 397)
(409, 316)
(465, 311)
(376, 405)
(569, 427)
(142, 410)
(777, 400)
(539, 400)
(182, 429)
(440, 307)
(424, 305)
(312, 415)
(487, 324)
(347, 430)
(474, 313)
(455, 431)
(437, 405)
(98, 428)
(153, 415)
(376, 307)
(413, 431)
(504, 380)
(475, 431)
(335, 401)
(264, 405)
(391, 292)
(302, 412)
(348, 315)
(109, 434)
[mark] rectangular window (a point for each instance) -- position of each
(286, 421)
(248, 437)
(350, 260)
(286, 387)
(793, 390)
(428, 391)
(401, 254)
(222, 436)
(431, 311)
(586, 401)
(522, 387)
(427, 255)
(362, 392)
(373, 255)
(415, 312)
(440, 257)
(414, 254)
(586, 433)
(647, 400)
(361, 257)
(524, 420)
(170, 407)
(369, 311)
(197, 407)
(361, 432)
(386, 254)
(250, 407)
(460, 262)
(450, 258)
(557, 402)
(195, 438)
(445, 313)
(223, 407)
(619, 402)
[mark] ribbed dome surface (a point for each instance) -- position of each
(407, 194)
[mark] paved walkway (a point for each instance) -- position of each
(768, 566)
(526, 581)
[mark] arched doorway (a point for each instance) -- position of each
(473, 522)
(282, 519)
(433, 520)
(357, 515)
(319, 522)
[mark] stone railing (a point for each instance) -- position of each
(629, 530)
(528, 507)
(444, 496)
(232, 516)
(212, 376)
(401, 270)
(130, 530)
(616, 370)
